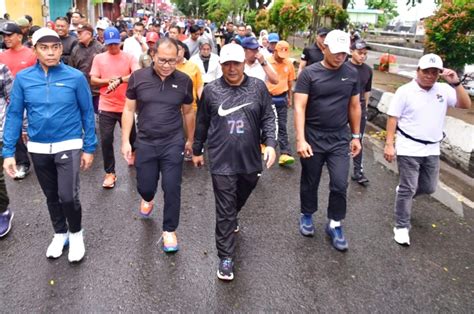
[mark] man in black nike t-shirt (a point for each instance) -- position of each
(327, 98)
(235, 115)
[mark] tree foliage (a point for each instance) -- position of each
(388, 7)
(338, 17)
(262, 20)
(287, 16)
(449, 34)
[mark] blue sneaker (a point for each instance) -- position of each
(6, 222)
(306, 225)
(337, 237)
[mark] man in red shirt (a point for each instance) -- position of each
(17, 57)
(110, 71)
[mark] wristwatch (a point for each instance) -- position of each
(264, 63)
(456, 84)
(356, 135)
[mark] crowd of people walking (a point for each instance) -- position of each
(181, 89)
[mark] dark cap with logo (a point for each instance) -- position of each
(322, 31)
(250, 43)
(85, 27)
(10, 28)
(359, 44)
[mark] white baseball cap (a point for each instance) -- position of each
(338, 41)
(232, 52)
(430, 61)
(102, 24)
(45, 35)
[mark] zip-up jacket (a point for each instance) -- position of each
(58, 105)
(233, 120)
(81, 58)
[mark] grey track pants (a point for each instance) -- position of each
(418, 175)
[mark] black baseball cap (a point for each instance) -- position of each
(322, 31)
(10, 28)
(359, 44)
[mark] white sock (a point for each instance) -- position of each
(334, 224)
(5, 213)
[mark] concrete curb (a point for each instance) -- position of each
(457, 148)
(444, 194)
(399, 51)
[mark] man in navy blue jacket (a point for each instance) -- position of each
(58, 103)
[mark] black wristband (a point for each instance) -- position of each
(121, 80)
(456, 84)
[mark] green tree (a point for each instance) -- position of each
(337, 16)
(389, 8)
(262, 20)
(449, 34)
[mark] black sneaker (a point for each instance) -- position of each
(360, 178)
(226, 269)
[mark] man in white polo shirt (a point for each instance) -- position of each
(255, 63)
(416, 115)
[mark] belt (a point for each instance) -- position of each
(53, 148)
(419, 140)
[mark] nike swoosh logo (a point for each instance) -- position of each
(225, 112)
(344, 78)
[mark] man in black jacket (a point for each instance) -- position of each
(83, 54)
(234, 112)
(68, 41)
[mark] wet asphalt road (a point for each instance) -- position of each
(276, 268)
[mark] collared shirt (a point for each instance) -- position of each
(256, 70)
(286, 73)
(421, 114)
(81, 59)
(192, 70)
(159, 102)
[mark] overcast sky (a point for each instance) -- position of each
(407, 13)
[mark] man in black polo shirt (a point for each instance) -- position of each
(327, 98)
(234, 114)
(313, 53)
(158, 94)
(359, 55)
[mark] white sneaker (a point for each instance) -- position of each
(55, 248)
(401, 236)
(76, 247)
